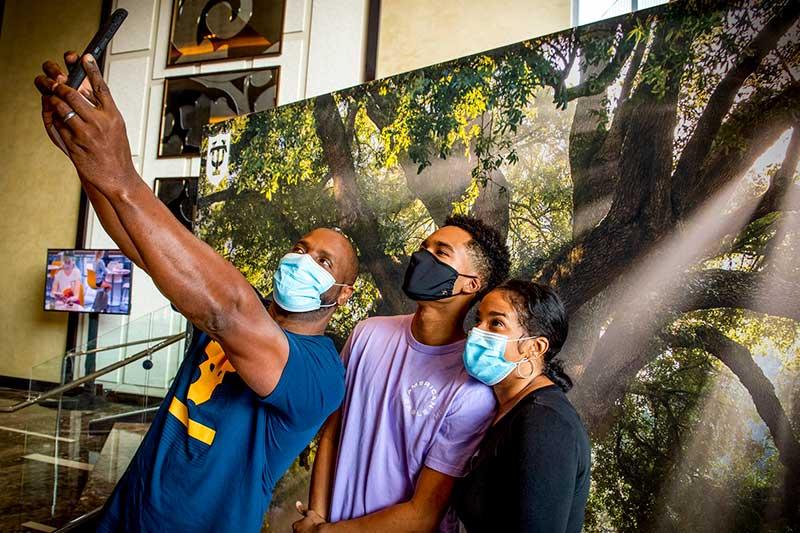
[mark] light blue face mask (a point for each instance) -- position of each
(484, 356)
(299, 282)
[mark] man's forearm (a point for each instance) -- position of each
(401, 518)
(324, 463)
(108, 218)
(200, 283)
(423, 512)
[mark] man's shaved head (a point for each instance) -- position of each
(333, 245)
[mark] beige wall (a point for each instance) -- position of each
(39, 193)
(417, 33)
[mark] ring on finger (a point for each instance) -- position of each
(69, 115)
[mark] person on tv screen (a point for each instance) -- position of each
(67, 281)
(256, 383)
(100, 262)
(412, 416)
(531, 473)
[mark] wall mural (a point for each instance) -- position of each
(205, 30)
(191, 102)
(646, 167)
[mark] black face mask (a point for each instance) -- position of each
(428, 279)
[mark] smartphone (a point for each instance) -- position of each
(97, 46)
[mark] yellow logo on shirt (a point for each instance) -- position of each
(212, 372)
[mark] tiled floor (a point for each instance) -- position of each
(44, 475)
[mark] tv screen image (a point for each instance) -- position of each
(88, 281)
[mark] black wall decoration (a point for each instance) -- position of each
(180, 196)
(191, 102)
(208, 30)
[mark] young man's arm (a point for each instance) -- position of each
(203, 286)
(423, 512)
(319, 499)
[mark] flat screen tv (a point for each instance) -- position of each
(88, 281)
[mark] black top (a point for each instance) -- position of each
(531, 472)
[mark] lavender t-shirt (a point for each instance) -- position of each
(407, 405)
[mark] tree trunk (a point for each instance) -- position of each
(356, 219)
(739, 360)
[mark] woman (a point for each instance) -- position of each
(531, 472)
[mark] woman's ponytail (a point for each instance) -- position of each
(554, 370)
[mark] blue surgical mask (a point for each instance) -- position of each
(299, 283)
(484, 356)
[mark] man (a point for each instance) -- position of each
(412, 417)
(256, 383)
(68, 277)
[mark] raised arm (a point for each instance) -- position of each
(105, 212)
(202, 285)
(108, 218)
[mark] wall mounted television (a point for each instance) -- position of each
(88, 281)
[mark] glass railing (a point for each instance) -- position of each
(71, 447)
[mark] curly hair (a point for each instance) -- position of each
(487, 249)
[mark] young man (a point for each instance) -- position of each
(256, 383)
(412, 417)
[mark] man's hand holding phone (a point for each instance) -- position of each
(88, 124)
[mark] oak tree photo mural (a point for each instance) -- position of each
(646, 167)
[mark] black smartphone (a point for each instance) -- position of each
(97, 46)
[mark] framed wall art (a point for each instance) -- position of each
(213, 30)
(191, 102)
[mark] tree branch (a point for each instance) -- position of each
(653, 116)
(627, 345)
(595, 152)
(441, 183)
(739, 360)
(249, 194)
(620, 354)
(611, 70)
(762, 292)
(589, 264)
(781, 188)
(357, 219)
(751, 128)
(725, 92)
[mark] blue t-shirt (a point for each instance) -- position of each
(216, 449)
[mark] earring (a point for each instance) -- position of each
(519, 363)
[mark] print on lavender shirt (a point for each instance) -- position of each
(420, 398)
